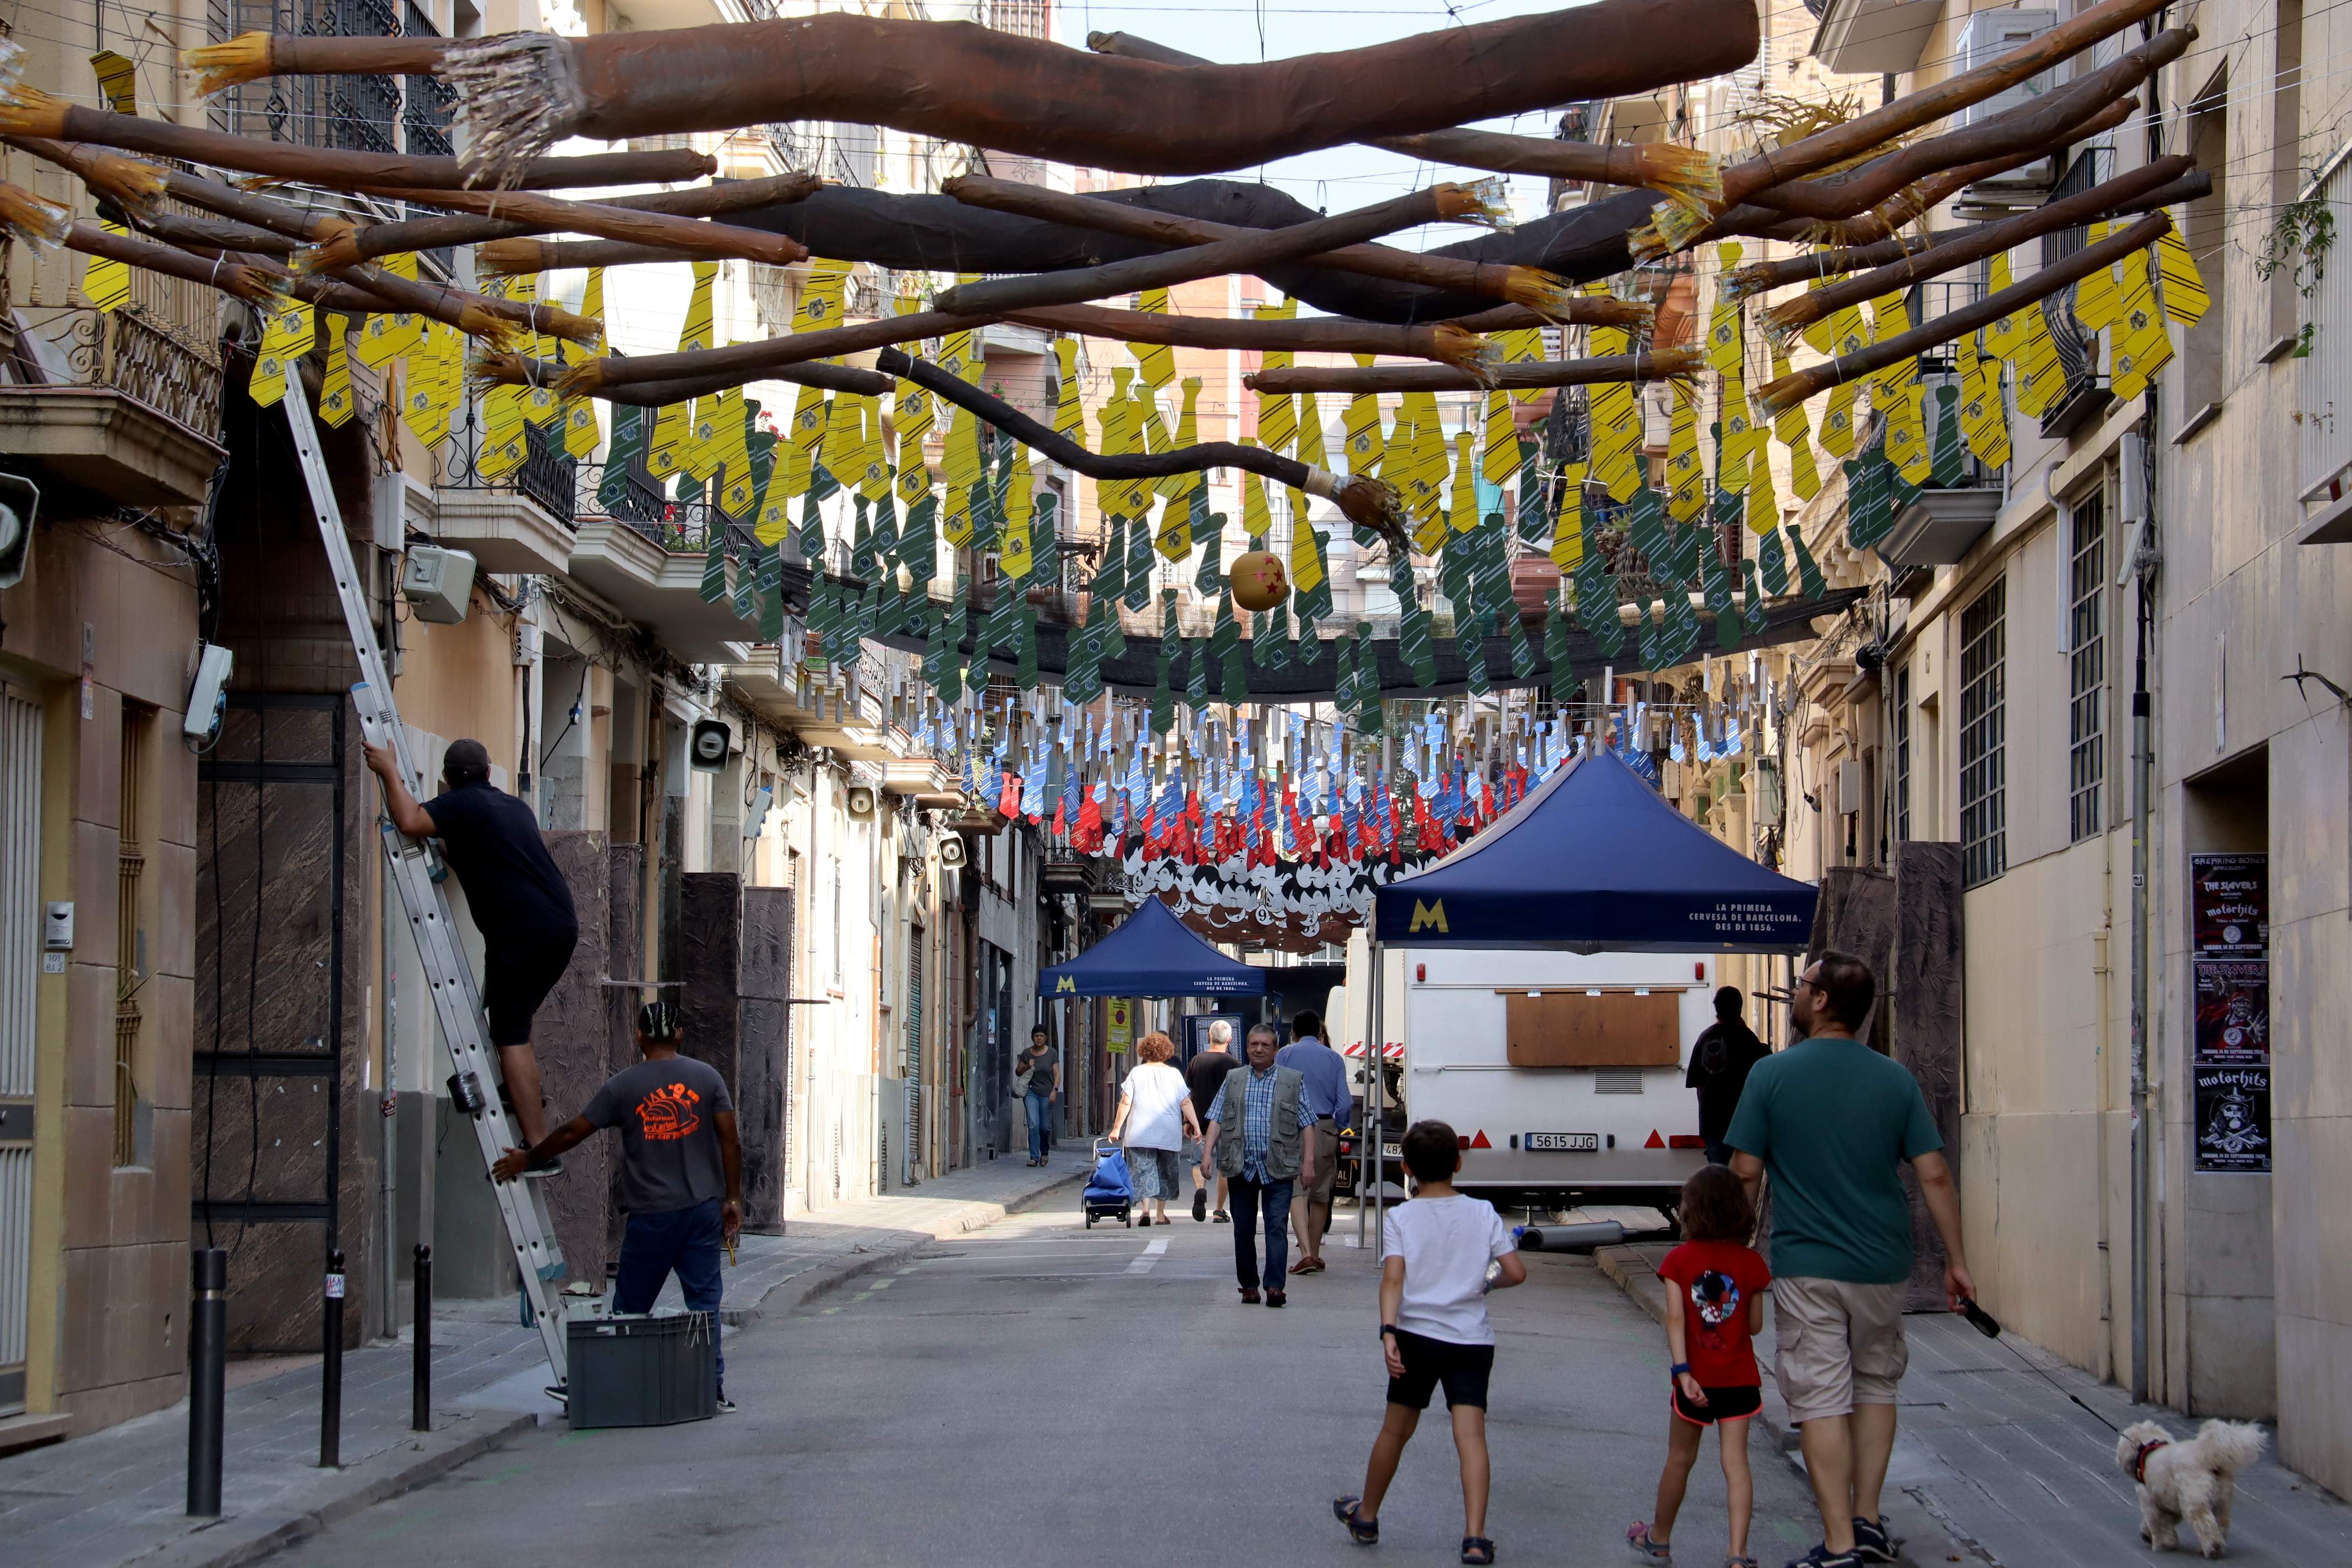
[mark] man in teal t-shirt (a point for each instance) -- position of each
(1832, 1121)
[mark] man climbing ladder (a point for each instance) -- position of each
(518, 900)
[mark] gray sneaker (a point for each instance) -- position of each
(1875, 1542)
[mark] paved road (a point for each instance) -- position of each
(1037, 1394)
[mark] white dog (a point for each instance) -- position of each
(2187, 1478)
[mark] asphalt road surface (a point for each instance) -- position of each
(1038, 1395)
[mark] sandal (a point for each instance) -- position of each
(1222, 1217)
(1649, 1550)
(1362, 1531)
(1739, 1563)
(1477, 1549)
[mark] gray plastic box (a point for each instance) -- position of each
(643, 1371)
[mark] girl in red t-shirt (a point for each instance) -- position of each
(1714, 1308)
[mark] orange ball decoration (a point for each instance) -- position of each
(1258, 581)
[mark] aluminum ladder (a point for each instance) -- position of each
(410, 865)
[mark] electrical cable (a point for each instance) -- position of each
(252, 968)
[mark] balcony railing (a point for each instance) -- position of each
(131, 351)
(548, 475)
(630, 495)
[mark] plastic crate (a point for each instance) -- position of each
(643, 1371)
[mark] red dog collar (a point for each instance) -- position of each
(2139, 1460)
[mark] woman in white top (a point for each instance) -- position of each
(1155, 1114)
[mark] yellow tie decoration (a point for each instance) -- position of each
(1156, 361)
(1889, 316)
(1306, 553)
(1116, 417)
(2143, 345)
(1176, 518)
(1014, 556)
(672, 447)
(1725, 343)
(1686, 478)
(1522, 345)
(873, 460)
(1795, 432)
(912, 415)
(1567, 524)
(1277, 420)
(436, 368)
(335, 405)
(1837, 421)
(1313, 449)
(2040, 377)
(1501, 458)
(730, 452)
(1820, 332)
(1763, 503)
(1364, 443)
(1906, 433)
(383, 339)
(107, 284)
(1414, 463)
(820, 303)
(2098, 303)
(502, 449)
(581, 434)
(117, 82)
(2003, 338)
(1616, 435)
(286, 339)
(1984, 421)
(1069, 407)
(2183, 290)
(1257, 520)
(1738, 447)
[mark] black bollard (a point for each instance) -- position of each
(420, 1376)
(330, 1393)
(208, 1370)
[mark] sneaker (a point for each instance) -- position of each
(1874, 1542)
(1200, 1207)
(1821, 1556)
(726, 1405)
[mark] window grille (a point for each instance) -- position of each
(2086, 669)
(1984, 715)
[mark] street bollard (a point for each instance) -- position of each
(330, 1393)
(420, 1376)
(207, 1371)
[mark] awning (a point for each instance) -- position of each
(1152, 954)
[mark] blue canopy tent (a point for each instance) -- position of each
(1594, 860)
(1152, 954)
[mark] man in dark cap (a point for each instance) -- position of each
(518, 900)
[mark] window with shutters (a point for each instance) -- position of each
(2086, 669)
(1984, 717)
(1903, 754)
(130, 931)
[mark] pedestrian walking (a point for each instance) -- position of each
(1155, 1118)
(1832, 1121)
(1720, 1059)
(1325, 1098)
(1443, 1252)
(681, 1170)
(1265, 1151)
(1036, 1074)
(1204, 1075)
(1715, 1310)
(517, 895)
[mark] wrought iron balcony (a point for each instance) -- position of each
(548, 475)
(133, 351)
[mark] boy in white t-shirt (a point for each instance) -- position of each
(1433, 1328)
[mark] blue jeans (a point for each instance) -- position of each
(1249, 1199)
(687, 1240)
(1041, 1112)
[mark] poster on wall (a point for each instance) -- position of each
(1121, 1033)
(2233, 1119)
(2230, 905)
(2233, 1011)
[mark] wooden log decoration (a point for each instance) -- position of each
(28, 112)
(739, 362)
(250, 284)
(1794, 388)
(1683, 173)
(133, 185)
(1481, 204)
(1519, 285)
(1366, 500)
(1790, 317)
(696, 238)
(519, 93)
(1661, 365)
(829, 377)
(352, 243)
(1446, 342)
(522, 258)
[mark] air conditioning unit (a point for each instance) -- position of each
(1849, 787)
(860, 802)
(1985, 37)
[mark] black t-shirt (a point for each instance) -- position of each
(512, 888)
(1204, 1075)
(1721, 1061)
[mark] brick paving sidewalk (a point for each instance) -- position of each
(117, 1495)
(1994, 1463)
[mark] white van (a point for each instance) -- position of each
(1562, 1072)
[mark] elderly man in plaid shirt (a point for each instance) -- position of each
(1272, 1151)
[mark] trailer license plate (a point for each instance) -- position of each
(1563, 1142)
(1392, 1150)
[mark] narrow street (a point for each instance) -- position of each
(1037, 1394)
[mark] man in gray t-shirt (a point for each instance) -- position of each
(681, 1170)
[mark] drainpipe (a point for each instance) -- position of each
(2142, 569)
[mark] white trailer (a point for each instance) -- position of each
(1561, 1072)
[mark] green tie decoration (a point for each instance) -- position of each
(942, 665)
(1772, 563)
(1343, 684)
(1139, 565)
(861, 546)
(1082, 682)
(1597, 604)
(1209, 528)
(1523, 652)
(1371, 716)
(1556, 647)
(1163, 693)
(1755, 616)
(1534, 496)
(1809, 575)
(919, 543)
(811, 536)
(714, 570)
(1196, 675)
(1110, 569)
(1678, 636)
(1226, 648)
(1470, 642)
(1718, 583)
(1416, 638)
(1025, 667)
(1645, 529)
(1945, 464)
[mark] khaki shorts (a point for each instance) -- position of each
(1840, 1344)
(1327, 1164)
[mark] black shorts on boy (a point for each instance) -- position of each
(1464, 1370)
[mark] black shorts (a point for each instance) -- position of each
(517, 977)
(1463, 1369)
(1722, 1405)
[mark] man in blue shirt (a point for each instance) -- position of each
(1324, 1102)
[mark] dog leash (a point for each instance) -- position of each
(1985, 1323)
